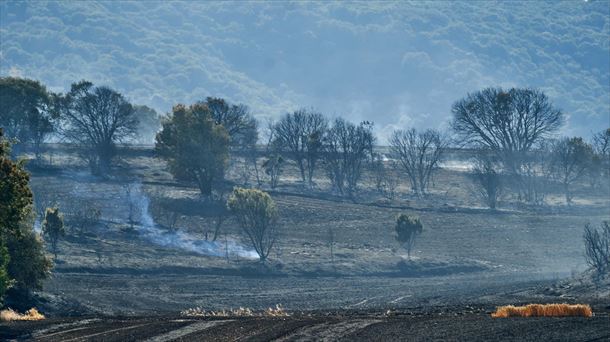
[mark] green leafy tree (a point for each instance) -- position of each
(29, 265)
(195, 147)
(407, 229)
(53, 227)
(22, 260)
(97, 118)
(257, 215)
(27, 110)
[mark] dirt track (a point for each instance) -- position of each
(457, 325)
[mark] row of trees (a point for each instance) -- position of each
(513, 132)
(95, 118)
(510, 129)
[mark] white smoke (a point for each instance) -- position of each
(181, 240)
(37, 226)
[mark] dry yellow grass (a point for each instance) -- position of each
(278, 311)
(11, 315)
(543, 310)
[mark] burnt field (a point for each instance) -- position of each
(344, 326)
(467, 261)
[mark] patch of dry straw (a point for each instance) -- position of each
(278, 311)
(543, 310)
(11, 315)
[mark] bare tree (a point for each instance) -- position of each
(601, 143)
(299, 135)
(384, 176)
(273, 168)
(534, 175)
(236, 119)
(601, 147)
(487, 178)
(346, 149)
(597, 248)
(571, 158)
(508, 122)
(419, 154)
(164, 214)
(97, 118)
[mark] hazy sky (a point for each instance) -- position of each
(398, 64)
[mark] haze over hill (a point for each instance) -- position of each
(398, 64)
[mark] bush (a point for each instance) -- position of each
(597, 248)
(53, 227)
(83, 214)
(28, 265)
(256, 213)
(407, 229)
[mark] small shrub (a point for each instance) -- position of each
(597, 248)
(82, 215)
(53, 227)
(543, 310)
(9, 315)
(257, 215)
(407, 229)
(28, 265)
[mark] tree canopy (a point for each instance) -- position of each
(97, 118)
(195, 147)
(508, 122)
(257, 215)
(27, 110)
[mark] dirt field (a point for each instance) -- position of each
(467, 256)
(398, 326)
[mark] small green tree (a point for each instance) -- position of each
(257, 215)
(407, 229)
(195, 147)
(27, 110)
(53, 227)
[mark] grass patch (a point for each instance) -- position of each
(543, 310)
(11, 315)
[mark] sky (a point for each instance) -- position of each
(398, 64)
